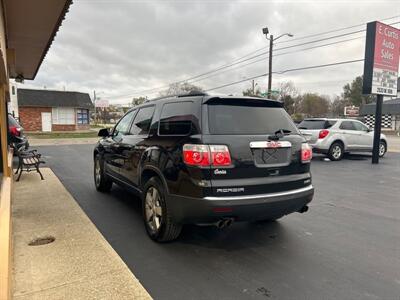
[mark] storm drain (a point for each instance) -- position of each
(42, 241)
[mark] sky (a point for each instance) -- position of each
(125, 48)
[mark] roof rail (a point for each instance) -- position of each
(193, 93)
(189, 94)
(159, 98)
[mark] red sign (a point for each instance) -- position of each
(387, 47)
(381, 64)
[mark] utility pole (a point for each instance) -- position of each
(377, 129)
(271, 45)
(252, 86)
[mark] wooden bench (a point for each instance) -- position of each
(28, 160)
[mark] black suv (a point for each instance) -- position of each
(206, 160)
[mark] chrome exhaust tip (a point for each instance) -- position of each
(228, 222)
(220, 224)
(224, 223)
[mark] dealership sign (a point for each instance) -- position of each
(381, 65)
(351, 111)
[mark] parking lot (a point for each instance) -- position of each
(346, 247)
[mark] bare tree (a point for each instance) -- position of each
(338, 104)
(288, 94)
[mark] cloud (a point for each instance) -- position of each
(121, 47)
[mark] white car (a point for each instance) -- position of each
(335, 137)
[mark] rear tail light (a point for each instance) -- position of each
(206, 155)
(306, 153)
(196, 155)
(220, 155)
(323, 133)
(16, 131)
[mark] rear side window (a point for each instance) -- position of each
(347, 125)
(316, 124)
(177, 118)
(248, 119)
(141, 123)
(330, 123)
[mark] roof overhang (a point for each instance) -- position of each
(30, 28)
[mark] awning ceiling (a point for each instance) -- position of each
(30, 29)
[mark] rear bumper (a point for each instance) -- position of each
(242, 208)
(320, 150)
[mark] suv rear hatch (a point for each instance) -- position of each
(311, 128)
(264, 145)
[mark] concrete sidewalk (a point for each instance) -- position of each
(393, 143)
(79, 264)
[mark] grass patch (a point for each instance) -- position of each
(62, 135)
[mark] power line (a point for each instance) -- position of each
(286, 71)
(332, 31)
(280, 54)
(309, 36)
(252, 57)
(230, 65)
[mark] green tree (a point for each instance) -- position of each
(180, 88)
(249, 92)
(138, 101)
(352, 93)
(314, 105)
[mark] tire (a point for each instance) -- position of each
(157, 219)
(336, 151)
(101, 181)
(382, 148)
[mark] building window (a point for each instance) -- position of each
(13, 90)
(63, 115)
(82, 116)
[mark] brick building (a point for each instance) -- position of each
(46, 110)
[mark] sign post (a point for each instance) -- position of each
(381, 65)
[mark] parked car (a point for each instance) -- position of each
(200, 159)
(335, 137)
(16, 134)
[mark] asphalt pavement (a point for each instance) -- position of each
(347, 246)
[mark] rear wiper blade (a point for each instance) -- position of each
(280, 133)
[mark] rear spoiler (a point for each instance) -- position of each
(244, 101)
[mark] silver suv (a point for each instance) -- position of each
(334, 137)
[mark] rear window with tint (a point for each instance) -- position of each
(316, 124)
(247, 119)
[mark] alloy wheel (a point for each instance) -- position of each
(382, 149)
(153, 209)
(97, 172)
(336, 152)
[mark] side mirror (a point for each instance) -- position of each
(104, 132)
